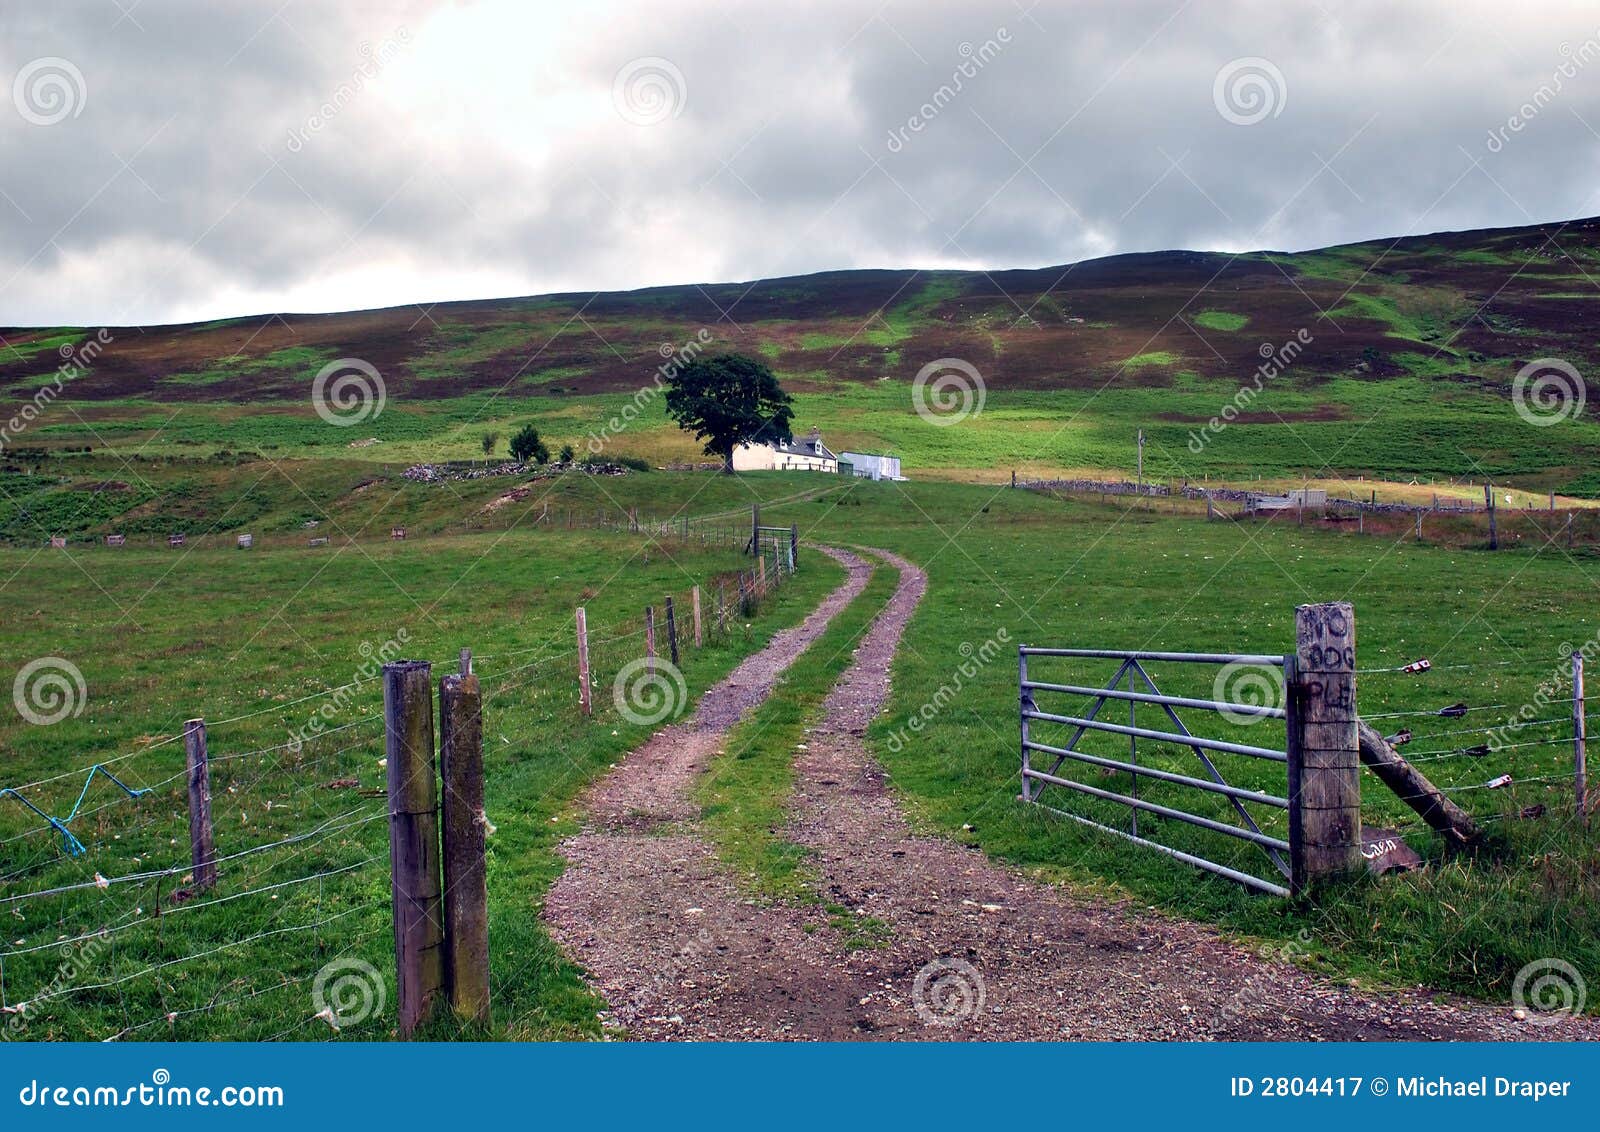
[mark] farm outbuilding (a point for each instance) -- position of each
(871, 465)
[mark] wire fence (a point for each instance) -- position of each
(106, 933)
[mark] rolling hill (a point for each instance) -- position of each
(1407, 354)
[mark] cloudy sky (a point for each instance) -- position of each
(168, 161)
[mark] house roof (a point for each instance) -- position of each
(810, 446)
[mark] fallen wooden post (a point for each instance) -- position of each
(1441, 814)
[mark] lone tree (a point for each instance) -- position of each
(491, 440)
(526, 445)
(729, 400)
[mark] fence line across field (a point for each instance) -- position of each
(683, 627)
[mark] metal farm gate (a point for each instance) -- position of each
(1058, 718)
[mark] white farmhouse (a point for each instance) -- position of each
(803, 454)
(869, 465)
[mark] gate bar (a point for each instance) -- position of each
(1164, 775)
(1162, 736)
(1187, 858)
(1127, 654)
(1167, 812)
(1161, 698)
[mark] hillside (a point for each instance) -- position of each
(1417, 338)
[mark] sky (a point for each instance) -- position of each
(177, 161)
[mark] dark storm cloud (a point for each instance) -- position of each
(231, 158)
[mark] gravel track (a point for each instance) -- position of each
(961, 948)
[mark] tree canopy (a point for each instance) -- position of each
(526, 445)
(728, 400)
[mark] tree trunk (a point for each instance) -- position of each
(727, 462)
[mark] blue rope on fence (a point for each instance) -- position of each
(69, 843)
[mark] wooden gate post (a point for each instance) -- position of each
(201, 849)
(761, 571)
(584, 702)
(755, 529)
(1323, 745)
(672, 633)
(794, 546)
(413, 841)
(466, 890)
(699, 640)
(1488, 501)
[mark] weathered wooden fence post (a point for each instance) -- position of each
(413, 841)
(1324, 749)
(650, 639)
(672, 633)
(466, 662)
(699, 640)
(584, 702)
(201, 850)
(1488, 501)
(794, 546)
(1580, 735)
(761, 572)
(755, 529)
(466, 890)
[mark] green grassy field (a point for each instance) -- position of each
(261, 644)
(256, 642)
